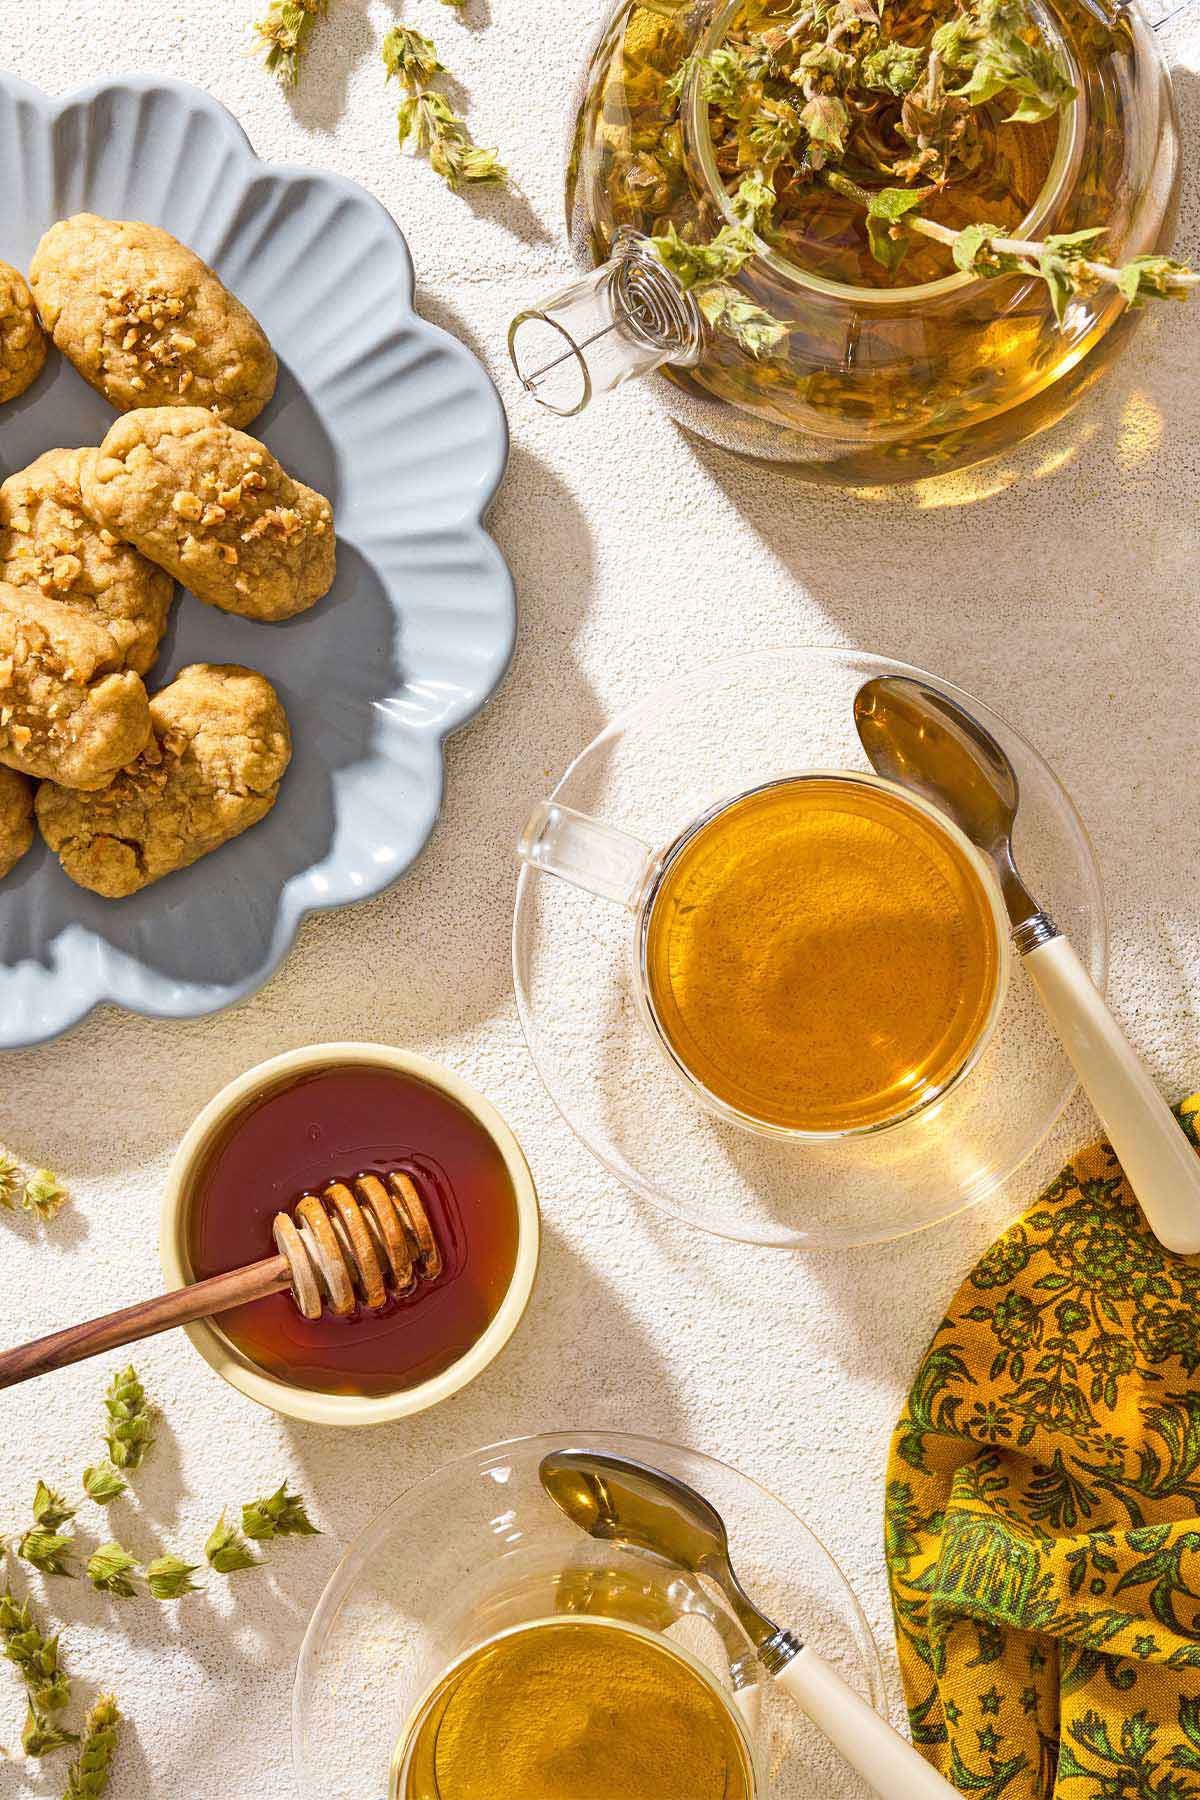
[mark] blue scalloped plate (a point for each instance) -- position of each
(389, 416)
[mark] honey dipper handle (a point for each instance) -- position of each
(146, 1319)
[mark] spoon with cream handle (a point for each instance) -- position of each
(918, 736)
(624, 1502)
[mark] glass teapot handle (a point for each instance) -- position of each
(627, 318)
(589, 854)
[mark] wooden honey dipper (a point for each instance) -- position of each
(356, 1242)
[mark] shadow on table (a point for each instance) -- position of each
(579, 1358)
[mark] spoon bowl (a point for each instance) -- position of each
(922, 739)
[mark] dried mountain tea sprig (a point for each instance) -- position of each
(112, 1570)
(48, 1551)
(129, 1434)
(44, 1195)
(34, 1656)
(50, 1510)
(283, 35)
(170, 1578)
(40, 1192)
(87, 1778)
(103, 1484)
(41, 1736)
(11, 1183)
(227, 1550)
(427, 117)
(277, 1515)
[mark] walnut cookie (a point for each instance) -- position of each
(68, 711)
(16, 819)
(47, 542)
(148, 323)
(219, 749)
(214, 507)
(22, 345)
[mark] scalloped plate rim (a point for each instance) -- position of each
(193, 1001)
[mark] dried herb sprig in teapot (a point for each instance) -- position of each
(1063, 261)
(888, 106)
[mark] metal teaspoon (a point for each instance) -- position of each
(624, 1502)
(919, 737)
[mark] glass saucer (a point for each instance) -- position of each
(478, 1547)
(657, 766)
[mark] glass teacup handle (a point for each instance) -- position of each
(599, 858)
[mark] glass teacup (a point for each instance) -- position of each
(820, 956)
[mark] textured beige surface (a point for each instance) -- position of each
(1063, 590)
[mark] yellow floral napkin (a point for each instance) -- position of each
(1043, 1509)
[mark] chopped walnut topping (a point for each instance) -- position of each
(284, 520)
(139, 327)
(187, 505)
(59, 574)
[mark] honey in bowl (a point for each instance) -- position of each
(822, 955)
(574, 1709)
(338, 1123)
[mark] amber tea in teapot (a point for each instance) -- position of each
(876, 241)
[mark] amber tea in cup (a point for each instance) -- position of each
(821, 955)
(575, 1708)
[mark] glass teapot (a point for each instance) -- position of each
(869, 382)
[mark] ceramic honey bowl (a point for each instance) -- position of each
(323, 1114)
